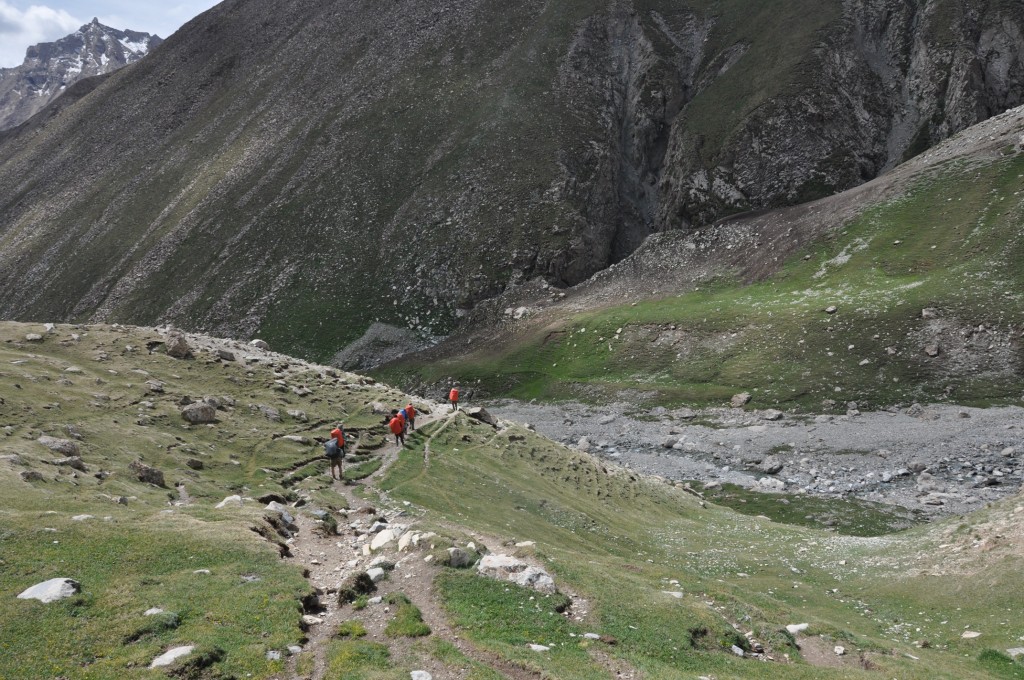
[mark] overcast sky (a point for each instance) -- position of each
(27, 22)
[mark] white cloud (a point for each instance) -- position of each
(21, 28)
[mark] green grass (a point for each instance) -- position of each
(407, 620)
(141, 554)
(845, 516)
(353, 629)
(960, 245)
(625, 544)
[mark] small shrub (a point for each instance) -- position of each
(354, 586)
(351, 628)
(408, 619)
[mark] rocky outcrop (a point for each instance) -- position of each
(51, 68)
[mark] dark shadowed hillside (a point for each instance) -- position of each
(303, 169)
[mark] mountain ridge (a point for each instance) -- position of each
(427, 160)
(51, 68)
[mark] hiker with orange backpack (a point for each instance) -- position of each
(453, 397)
(410, 414)
(335, 449)
(397, 427)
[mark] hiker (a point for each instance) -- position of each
(335, 450)
(397, 427)
(404, 415)
(410, 413)
(453, 397)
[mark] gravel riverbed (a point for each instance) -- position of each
(939, 459)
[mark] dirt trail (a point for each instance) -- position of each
(329, 559)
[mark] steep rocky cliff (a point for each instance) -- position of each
(306, 169)
(50, 68)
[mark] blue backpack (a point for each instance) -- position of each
(332, 449)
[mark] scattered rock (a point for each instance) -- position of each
(65, 446)
(195, 463)
(225, 355)
(970, 634)
(199, 413)
(536, 579)
(481, 414)
(538, 648)
(310, 620)
(81, 518)
(795, 628)
(33, 337)
(74, 462)
(831, 309)
(583, 444)
(932, 350)
(146, 473)
(259, 344)
(772, 414)
(770, 465)
(171, 655)
(376, 574)
(52, 590)
(177, 346)
(229, 501)
(740, 400)
(420, 675)
(839, 650)
(738, 651)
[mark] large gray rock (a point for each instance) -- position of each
(51, 591)
(75, 462)
(199, 413)
(65, 446)
(481, 414)
(740, 400)
(177, 345)
(146, 473)
(534, 578)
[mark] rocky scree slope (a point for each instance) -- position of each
(305, 169)
(51, 68)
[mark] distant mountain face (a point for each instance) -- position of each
(50, 68)
(302, 169)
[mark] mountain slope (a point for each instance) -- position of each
(50, 68)
(359, 163)
(905, 289)
(667, 583)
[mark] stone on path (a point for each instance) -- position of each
(795, 628)
(383, 538)
(310, 620)
(171, 655)
(51, 591)
(420, 675)
(281, 510)
(376, 574)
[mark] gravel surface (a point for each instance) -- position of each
(940, 459)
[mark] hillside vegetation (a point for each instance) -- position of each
(301, 169)
(666, 582)
(908, 290)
